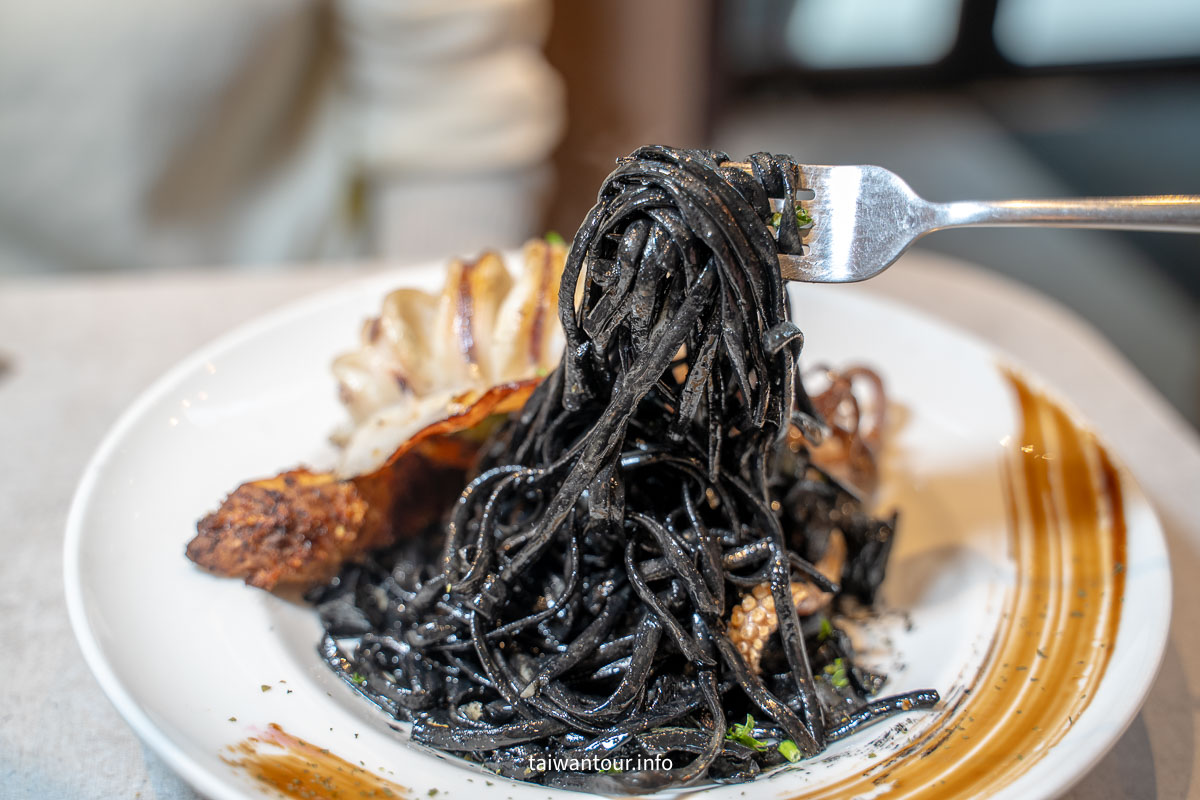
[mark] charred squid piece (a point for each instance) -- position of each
(297, 529)
(425, 352)
(852, 443)
(754, 619)
(429, 373)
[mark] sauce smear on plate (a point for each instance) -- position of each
(296, 768)
(1066, 521)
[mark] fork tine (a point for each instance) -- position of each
(805, 268)
(800, 268)
(843, 252)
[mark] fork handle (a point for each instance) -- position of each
(1164, 212)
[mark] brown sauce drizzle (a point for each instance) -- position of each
(295, 768)
(1067, 538)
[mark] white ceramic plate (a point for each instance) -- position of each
(198, 664)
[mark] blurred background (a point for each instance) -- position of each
(253, 134)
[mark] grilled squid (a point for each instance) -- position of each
(754, 619)
(850, 452)
(426, 357)
(429, 375)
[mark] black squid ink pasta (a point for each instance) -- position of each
(578, 602)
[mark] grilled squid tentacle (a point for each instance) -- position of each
(754, 620)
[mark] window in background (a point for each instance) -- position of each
(1035, 33)
(995, 98)
(856, 34)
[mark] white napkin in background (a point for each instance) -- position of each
(157, 133)
(456, 111)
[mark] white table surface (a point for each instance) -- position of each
(75, 351)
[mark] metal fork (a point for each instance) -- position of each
(865, 217)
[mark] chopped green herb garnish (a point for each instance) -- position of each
(802, 218)
(826, 629)
(788, 749)
(612, 771)
(358, 679)
(743, 734)
(837, 673)
(554, 237)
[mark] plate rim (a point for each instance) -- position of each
(209, 783)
